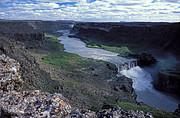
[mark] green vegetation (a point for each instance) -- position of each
(69, 84)
(129, 106)
(53, 41)
(95, 108)
(66, 60)
(60, 59)
(50, 90)
(63, 59)
(122, 49)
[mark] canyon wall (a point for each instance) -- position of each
(17, 38)
(150, 36)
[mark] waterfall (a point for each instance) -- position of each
(127, 65)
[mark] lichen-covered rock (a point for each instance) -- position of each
(33, 104)
(10, 78)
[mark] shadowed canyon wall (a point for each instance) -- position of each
(150, 36)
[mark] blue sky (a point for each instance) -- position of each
(92, 10)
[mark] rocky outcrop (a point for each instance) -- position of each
(43, 104)
(144, 59)
(124, 84)
(10, 78)
(26, 103)
(33, 104)
(168, 82)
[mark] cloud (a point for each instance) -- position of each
(92, 10)
(172, 1)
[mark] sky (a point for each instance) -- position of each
(92, 10)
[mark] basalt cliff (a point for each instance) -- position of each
(161, 36)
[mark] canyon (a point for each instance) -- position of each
(159, 39)
(26, 42)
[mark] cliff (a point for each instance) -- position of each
(150, 36)
(25, 31)
(18, 39)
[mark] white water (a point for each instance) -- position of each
(142, 80)
(142, 83)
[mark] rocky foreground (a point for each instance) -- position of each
(43, 104)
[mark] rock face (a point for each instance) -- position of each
(25, 31)
(144, 59)
(168, 82)
(124, 84)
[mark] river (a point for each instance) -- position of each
(142, 80)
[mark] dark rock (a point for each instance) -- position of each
(76, 113)
(111, 67)
(144, 59)
(177, 111)
(160, 37)
(168, 82)
(116, 88)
